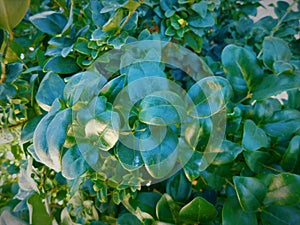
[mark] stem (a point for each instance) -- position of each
(3, 63)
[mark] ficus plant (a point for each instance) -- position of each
(149, 112)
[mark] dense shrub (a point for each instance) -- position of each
(149, 112)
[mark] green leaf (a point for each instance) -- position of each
(161, 160)
(81, 46)
(200, 8)
(210, 95)
(49, 22)
(62, 65)
(291, 157)
(113, 87)
(51, 88)
(199, 22)
(103, 130)
(178, 187)
(167, 210)
(12, 12)
(197, 211)
(56, 134)
(146, 202)
(162, 108)
(128, 219)
(193, 41)
(283, 190)
(38, 213)
(233, 214)
(28, 129)
(254, 138)
(113, 24)
(129, 158)
(227, 153)
(242, 69)
(40, 139)
(256, 159)
(73, 163)
(274, 50)
(83, 87)
(250, 191)
(13, 71)
(280, 215)
(65, 218)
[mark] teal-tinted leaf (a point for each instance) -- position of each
(8, 218)
(280, 215)
(90, 153)
(113, 24)
(256, 159)
(265, 109)
(146, 202)
(242, 69)
(81, 46)
(38, 213)
(210, 95)
(131, 24)
(73, 163)
(167, 210)
(282, 67)
(250, 191)
(7, 91)
(92, 110)
(197, 211)
(233, 214)
(51, 88)
(113, 87)
(178, 187)
(291, 157)
(49, 22)
(128, 219)
(129, 158)
(254, 137)
(62, 65)
(28, 129)
(161, 160)
(83, 87)
(40, 139)
(275, 49)
(118, 41)
(199, 22)
(103, 130)
(193, 41)
(293, 99)
(227, 153)
(200, 8)
(283, 190)
(56, 134)
(13, 71)
(98, 18)
(162, 108)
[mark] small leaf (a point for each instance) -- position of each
(193, 41)
(227, 153)
(73, 163)
(197, 211)
(167, 210)
(250, 191)
(254, 137)
(210, 95)
(233, 214)
(51, 88)
(13, 71)
(291, 157)
(113, 88)
(283, 190)
(62, 65)
(275, 49)
(38, 213)
(49, 22)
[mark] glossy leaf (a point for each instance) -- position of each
(49, 22)
(233, 214)
(113, 87)
(166, 209)
(193, 41)
(197, 211)
(51, 88)
(210, 95)
(250, 191)
(227, 152)
(128, 219)
(129, 158)
(291, 158)
(280, 215)
(256, 159)
(13, 71)
(161, 160)
(283, 190)
(62, 65)
(254, 137)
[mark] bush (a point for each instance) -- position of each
(149, 112)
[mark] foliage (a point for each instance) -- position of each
(72, 93)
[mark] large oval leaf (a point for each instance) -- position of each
(129, 158)
(210, 95)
